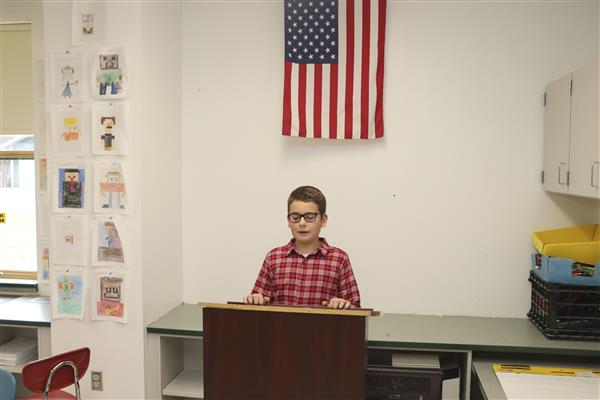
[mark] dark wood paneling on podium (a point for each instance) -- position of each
(274, 355)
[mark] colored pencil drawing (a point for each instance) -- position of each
(68, 130)
(71, 187)
(109, 128)
(88, 22)
(69, 293)
(110, 248)
(43, 174)
(110, 76)
(110, 295)
(67, 72)
(110, 190)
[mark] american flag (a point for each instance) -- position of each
(333, 79)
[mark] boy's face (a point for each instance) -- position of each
(306, 233)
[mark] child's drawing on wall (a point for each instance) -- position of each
(68, 291)
(69, 239)
(87, 24)
(110, 77)
(67, 72)
(108, 123)
(110, 191)
(110, 248)
(43, 169)
(110, 303)
(71, 187)
(88, 21)
(71, 131)
(110, 295)
(67, 130)
(109, 128)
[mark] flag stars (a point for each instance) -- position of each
(310, 32)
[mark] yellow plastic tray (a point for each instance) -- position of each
(579, 243)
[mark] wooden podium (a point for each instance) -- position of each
(277, 352)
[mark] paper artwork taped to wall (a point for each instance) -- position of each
(69, 238)
(70, 188)
(43, 174)
(67, 74)
(88, 22)
(108, 240)
(44, 260)
(68, 292)
(69, 131)
(110, 295)
(110, 189)
(109, 128)
(109, 80)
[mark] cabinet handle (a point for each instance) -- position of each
(560, 167)
(595, 174)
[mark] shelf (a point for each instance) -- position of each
(189, 383)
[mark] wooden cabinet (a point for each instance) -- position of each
(572, 134)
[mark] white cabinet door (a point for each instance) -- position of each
(584, 159)
(557, 116)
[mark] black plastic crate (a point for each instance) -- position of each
(563, 311)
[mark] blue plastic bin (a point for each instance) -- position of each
(563, 270)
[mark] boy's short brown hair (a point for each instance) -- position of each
(306, 194)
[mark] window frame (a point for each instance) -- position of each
(7, 274)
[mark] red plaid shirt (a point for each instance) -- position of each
(290, 278)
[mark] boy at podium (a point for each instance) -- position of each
(307, 271)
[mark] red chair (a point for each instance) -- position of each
(48, 375)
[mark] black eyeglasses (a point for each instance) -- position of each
(308, 217)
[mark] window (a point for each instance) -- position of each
(18, 241)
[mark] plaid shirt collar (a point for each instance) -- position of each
(322, 249)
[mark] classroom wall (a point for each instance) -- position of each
(151, 36)
(437, 216)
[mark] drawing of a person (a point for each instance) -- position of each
(67, 75)
(112, 236)
(114, 188)
(71, 189)
(108, 123)
(71, 131)
(109, 74)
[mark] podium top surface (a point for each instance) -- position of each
(351, 312)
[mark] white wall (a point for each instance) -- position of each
(437, 216)
(117, 349)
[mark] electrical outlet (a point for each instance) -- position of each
(96, 380)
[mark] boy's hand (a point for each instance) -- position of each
(256, 298)
(336, 302)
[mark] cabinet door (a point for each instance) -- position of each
(584, 156)
(557, 115)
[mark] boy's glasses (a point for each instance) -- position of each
(308, 217)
